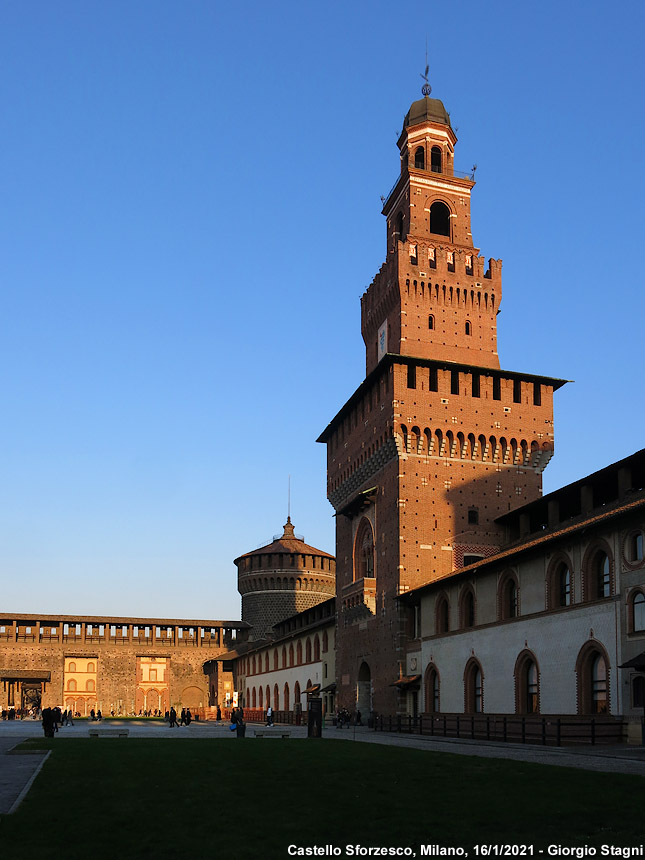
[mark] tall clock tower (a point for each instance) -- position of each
(437, 441)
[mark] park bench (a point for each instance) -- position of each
(272, 733)
(108, 733)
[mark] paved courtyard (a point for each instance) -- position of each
(17, 771)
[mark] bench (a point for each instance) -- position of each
(272, 733)
(108, 733)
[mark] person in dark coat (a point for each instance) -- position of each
(48, 722)
(173, 717)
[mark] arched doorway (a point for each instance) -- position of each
(364, 690)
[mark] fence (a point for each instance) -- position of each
(548, 731)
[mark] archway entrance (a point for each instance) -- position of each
(32, 694)
(364, 690)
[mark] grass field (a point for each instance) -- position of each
(251, 799)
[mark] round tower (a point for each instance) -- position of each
(281, 579)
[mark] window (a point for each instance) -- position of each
(325, 642)
(634, 547)
(473, 688)
(592, 672)
(431, 322)
(316, 647)
(527, 700)
(435, 159)
(71, 685)
(432, 690)
(454, 382)
(599, 685)
(598, 579)
(90, 667)
(419, 158)
(469, 328)
(284, 657)
(90, 686)
(537, 394)
(299, 652)
(275, 659)
(433, 381)
(476, 385)
(308, 650)
(291, 654)
(471, 558)
(286, 697)
(473, 517)
(563, 584)
(638, 612)
(364, 551)
(517, 391)
(442, 615)
(507, 597)
(412, 376)
(71, 667)
(497, 388)
(440, 219)
(153, 674)
(467, 608)
(638, 692)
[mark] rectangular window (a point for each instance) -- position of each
(432, 259)
(113, 630)
(433, 381)
(135, 631)
(101, 629)
(158, 632)
(476, 385)
(412, 376)
(124, 631)
(537, 394)
(78, 629)
(454, 382)
(89, 629)
(147, 633)
(517, 391)
(497, 388)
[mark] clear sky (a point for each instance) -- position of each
(190, 211)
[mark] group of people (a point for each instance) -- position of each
(344, 718)
(52, 718)
(185, 718)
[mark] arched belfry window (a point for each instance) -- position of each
(440, 219)
(435, 159)
(419, 158)
(364, 550)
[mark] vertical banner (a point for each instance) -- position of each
(382, 341)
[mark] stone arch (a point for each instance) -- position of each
(473, 687)
(192, 697)
(593, 679)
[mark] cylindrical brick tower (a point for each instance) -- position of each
(281, 579)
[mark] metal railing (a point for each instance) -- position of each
(547, 731)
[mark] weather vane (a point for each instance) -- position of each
(426, 89)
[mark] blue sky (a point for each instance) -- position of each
(190, 213)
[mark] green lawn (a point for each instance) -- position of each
(252, 799)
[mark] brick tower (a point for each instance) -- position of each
(281, 579)
(437, 441)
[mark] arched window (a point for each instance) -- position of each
(296, 695)
(266, 662)
(637, 612)
(435, 159)
(316, 647)
(268, 697)
(275, 659)
(90, 667)
(634, 547)
(261, 698)
(527, 694)
(71, 667)
(469, 328)
(432, 689)
(507, 597)
(431, 322)
(284, 657)
(253, 665)
(291, 654)
(440, 219)
(286, 697)
(364, 551)
(71, 685)
(559, 585)
(473, 688)
(467, 608)
(325, 642)
(308, 650)
(419, 158)
(276, 697)
(254, 701)
(592, 671)
(442, 615)
(598, 575)
(90, 686)
(299, 653)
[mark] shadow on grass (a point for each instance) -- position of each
(153, 798)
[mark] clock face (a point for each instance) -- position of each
(382, 341)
